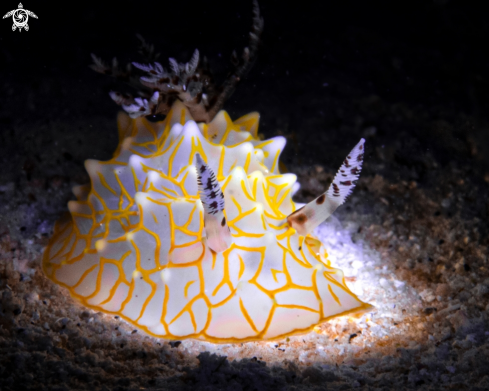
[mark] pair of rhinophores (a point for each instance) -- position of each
(190, 230)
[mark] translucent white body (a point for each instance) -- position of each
(136, 246)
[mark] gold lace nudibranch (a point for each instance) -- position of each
(190, 231)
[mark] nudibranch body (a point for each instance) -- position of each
(190, 231)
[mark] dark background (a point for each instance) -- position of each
(411, 76)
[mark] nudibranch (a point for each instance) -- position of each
(190, 231)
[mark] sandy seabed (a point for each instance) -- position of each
(419, 267)
(412, 240)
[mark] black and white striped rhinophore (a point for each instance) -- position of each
(305, 219)
(217, 231)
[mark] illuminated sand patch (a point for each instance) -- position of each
(345, 339)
